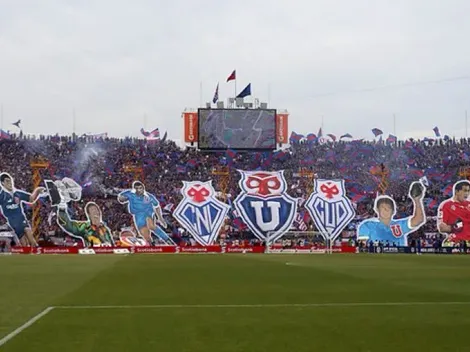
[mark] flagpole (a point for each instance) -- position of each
(394, 125)
(466, 124)
(73, 121)
(200, 95)
(235, 85)
(145, 122)
(269, 94)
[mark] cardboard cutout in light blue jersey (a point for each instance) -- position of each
(142, 208)
(386, 228)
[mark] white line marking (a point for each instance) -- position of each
(299, 305)
(25, 326)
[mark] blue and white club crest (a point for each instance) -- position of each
(200, 212)
(264, 205)
(329, 207)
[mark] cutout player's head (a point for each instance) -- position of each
(93, 213)
(138, 187)
(385, 208)
(461, 191)
(6, 181)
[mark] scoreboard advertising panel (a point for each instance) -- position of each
(243, 139)
(237, 129)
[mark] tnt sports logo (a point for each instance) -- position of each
(264, 204)
(200, 212)
(329, 207)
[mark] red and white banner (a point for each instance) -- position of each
(176, 249)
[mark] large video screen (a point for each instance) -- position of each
(237, 129)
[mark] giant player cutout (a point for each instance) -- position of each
(11, 206)
(453, 217)
(385, 227)
(93, 231)
(144, 206)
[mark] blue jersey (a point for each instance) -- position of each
(141, 204)
(10, 204)
(375, 230)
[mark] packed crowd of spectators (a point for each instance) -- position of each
(100, 167)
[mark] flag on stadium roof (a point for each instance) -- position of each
(4, 135)
(311, 137)
(295, 137)
(332, 136)
(245, 92)
(151, 135)
(376, 132)
(17, 123)
(391, 138)
(215, 99)
(233, 76)
(436, 131)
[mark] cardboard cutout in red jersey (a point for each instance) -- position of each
(454, 214)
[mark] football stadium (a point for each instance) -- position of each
(316, 198)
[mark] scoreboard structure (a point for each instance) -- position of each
(237, 129)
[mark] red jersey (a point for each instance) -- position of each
(450, 211)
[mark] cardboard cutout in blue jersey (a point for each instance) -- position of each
(142, 207)
(264, 204)
(329, 208)
(397, 230)
(200, 212)
(11, 207)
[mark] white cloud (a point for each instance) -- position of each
(115, 61)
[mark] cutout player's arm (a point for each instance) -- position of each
(419, 215)
(73, 227)
(37, 193)
(443, 219)
(123, 197)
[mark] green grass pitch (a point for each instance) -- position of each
(235, 303)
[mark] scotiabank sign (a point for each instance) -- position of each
(190, 126)
(173, 249)
(281, 128)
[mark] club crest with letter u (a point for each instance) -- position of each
(329, 207)
(200, 212)
(264, 204)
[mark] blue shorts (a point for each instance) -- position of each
(140, 220)
(19, 227)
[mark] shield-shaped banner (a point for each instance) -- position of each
(329, 207)
(200, 212)
(264, 204)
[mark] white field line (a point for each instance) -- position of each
(293, 305)
(25, 326)
(34, 319)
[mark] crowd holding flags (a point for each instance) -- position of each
(391, 139)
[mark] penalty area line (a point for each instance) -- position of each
(26, 325)
(287, 305)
